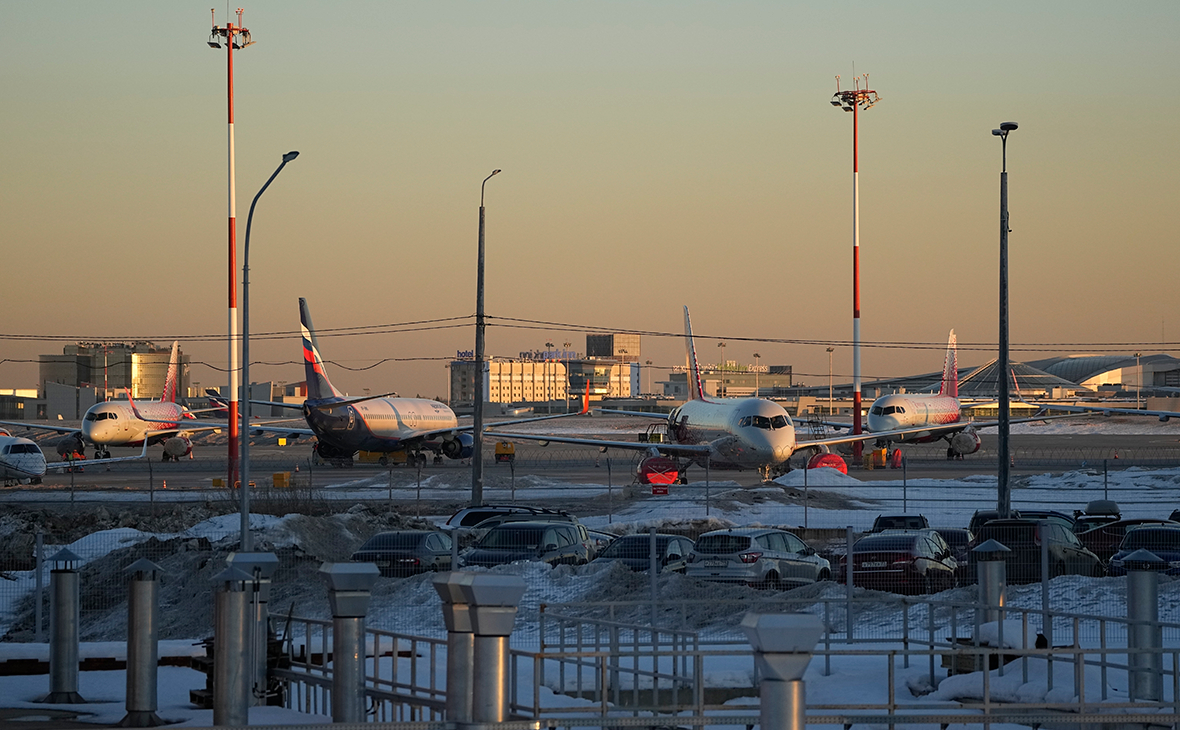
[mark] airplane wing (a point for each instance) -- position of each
(677, 449)
(636, 414)
(1162, 415)
(39, 427)
(217, 427)
(268, 427)
(932, 430)
(97, 462)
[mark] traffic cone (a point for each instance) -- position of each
(163, 484)
(1116, 453)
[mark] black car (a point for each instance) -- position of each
(899, 522)
(902, 561)
(406, 552)
(472, 516)
(1098, 512)
(1051, 515)
(548, 542)
(634, 551)
(959, 540)
(1105, 539)
(1067, 554)
(984, 516)
(1162, 540)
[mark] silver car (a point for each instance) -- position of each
(757, 556)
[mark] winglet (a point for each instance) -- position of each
(133, 408)
(586, 399)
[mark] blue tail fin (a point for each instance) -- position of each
(318, 385)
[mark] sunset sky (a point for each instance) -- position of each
(654, 154)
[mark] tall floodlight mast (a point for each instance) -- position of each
(235, 37)
(853, 100)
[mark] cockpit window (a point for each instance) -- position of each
(744, 422)
(778, 422)
(90, 417)
(762, 422)
(876, 410)
(113, 416)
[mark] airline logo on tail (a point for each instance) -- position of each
(696, 390)
(318, 385)
(950, 369)
(169, 394)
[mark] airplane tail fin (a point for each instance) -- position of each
(318, 385)
(950, 369)
(696, 390)
(169, 394)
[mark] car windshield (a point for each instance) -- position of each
(393, 541)
(633, 547)
(518, 538)
(722, 543)
(1149, 539)
(955, 538)
(883, 543)
(1008, 535)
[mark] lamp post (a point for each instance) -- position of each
(649, 390)
(565, 346)
(244, 489)
(721, 367)
(235, 37)
(853, 100)
(1003, 489)
(1138, 378)
(830, 351)
(757, 370)
(549, 394)
(622, 361)
(477, 426)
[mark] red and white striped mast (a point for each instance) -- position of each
(853, 101)
(234, 37)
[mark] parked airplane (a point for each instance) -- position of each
(125, 423)
(21, 460)
(383, 424)
(742, 433)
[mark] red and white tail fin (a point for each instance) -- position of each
(169, 394)
(950, 369)
(696, 391)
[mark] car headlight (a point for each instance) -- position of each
(1174, 563)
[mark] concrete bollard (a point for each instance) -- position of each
(260, 567)
(460, 644)
(492, 602)
(64, 621)
(232, 675)
(1144, 633)
(782, 644)
(143, 645)
(350, 587)
(993, 581)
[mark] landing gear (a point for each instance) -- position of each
(102, 453)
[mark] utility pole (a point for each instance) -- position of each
(1003, 488)
(830, 351)
(477, 426)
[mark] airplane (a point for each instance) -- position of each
(935, 416)
(21, 460)
(384, 424)
(741, 433)
(124, 423)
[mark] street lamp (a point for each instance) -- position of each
(853, 100)
(244, 493)
(721, 368)
(548, 394)
(565, 346)
(477, 425)
(1138, 378)
(1003, 489)
(757, 369)
(830, 351)
(622, 360)
(648, 364)
(235, 37)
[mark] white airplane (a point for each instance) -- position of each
(742, 433)
(125, 423)
(930, 417)
(382, 424)
(21, 460)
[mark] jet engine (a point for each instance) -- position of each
(964, 442)
(178, 446)
(460, 447)
(69, 445)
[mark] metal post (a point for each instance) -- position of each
(782, 650)
(492, 600)
(1105, 483)
(848, 583)
(460, 644)
(1003, 488)
(39, 588)
(992, 576)
(805, 500)
(232, 673)
(143, 645)
(63, 630)
(477, 428)
(349, 590)
(905, 484)
(260, 567)
(1047, 618)
(1144, 635)
(653, 562)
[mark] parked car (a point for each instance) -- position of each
(1097, 512)
(982, 516)
(1051, 515)
(472, 516)
(902, 561)
(1067, 554)
(634, 551)
(600, 541)
(1163, 540)
(756, 556)
(1104, 540)
(406, 552)
(537, 516)
(899, 522)
(548, 542)
(959, 540)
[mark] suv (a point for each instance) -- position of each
(1067, 554)
(1098, 512)
(983, 516)
(555, 543)
(899, 522)
(472, 516)
(758, 557)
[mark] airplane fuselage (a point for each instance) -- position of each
(20, 459)
(114, 423)
(747, 433)
(380, 425)
(893, 412)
